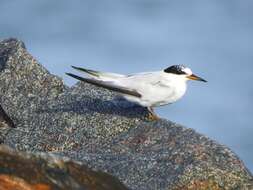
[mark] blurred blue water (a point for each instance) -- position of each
(214, 38)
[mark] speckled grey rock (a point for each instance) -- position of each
(5, 120)
(94, 126)
(44, 171)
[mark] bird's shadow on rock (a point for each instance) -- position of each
(89, 105)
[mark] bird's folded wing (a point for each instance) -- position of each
(107, 85)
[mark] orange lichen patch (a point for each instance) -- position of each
(16, 183)
(41, 186)
(200, 185)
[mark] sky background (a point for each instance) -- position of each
(212, 37)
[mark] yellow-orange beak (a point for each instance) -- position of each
(195, 77)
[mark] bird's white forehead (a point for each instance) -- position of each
(187, 70)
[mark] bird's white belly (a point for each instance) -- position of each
(158, 96)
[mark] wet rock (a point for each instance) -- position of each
(94, 126)
(42, 171)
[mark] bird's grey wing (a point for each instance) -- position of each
(160, 83)
(142, 80)
(107, 85)
(97, 74)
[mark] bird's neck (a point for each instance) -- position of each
(178, 83)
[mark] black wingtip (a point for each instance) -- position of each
(77, 68)
(69, 74)
(106, 85)
(74, 67)
(82, 69)
(72, 75)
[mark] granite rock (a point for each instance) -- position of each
(45, 171)
(5, 120)
(98, 128)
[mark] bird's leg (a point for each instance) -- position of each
(151, 115)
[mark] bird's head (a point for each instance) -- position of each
(184, 72)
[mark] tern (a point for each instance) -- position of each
(148, 89)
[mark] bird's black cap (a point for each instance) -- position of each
(176, 69)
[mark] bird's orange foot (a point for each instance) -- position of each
(151, 115)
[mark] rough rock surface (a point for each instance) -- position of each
(94, 126)
(5, 120)
(42, 171)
